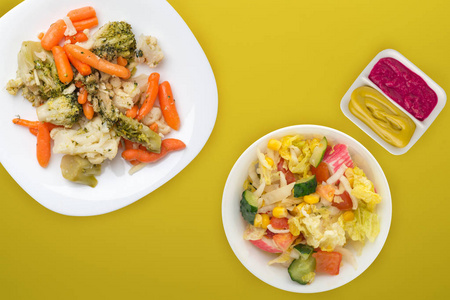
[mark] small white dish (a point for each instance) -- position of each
(255, 260)
(185, 66)
(421, 126)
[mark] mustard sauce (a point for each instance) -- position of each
(382, 116)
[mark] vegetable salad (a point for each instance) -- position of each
(306, 200)
(89, 102)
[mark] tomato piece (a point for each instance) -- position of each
(322, 173)
(284, 240)
(279, 223)
(269, 234)
(328, 262)
(347, 203)
(287, 173)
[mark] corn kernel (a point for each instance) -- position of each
(348, 216)
(257, 222)
(265, 220)
(311, 199)
(279, 212)
(298, 209)
(274, 144)
(269, 161)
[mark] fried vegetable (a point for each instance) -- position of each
(79, 170)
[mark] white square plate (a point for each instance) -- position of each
(421, 126)
(185, 66)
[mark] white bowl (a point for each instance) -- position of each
(255, 260)
(421, 126)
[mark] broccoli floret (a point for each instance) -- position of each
(137, 132)
(63, 110)
(114, 39)
(36, 74)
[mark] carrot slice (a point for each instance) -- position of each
(150, 96)
(62, 63)
(88, 110)
(82, 96)
(96, 62)
(132, 112)
(82, 68)
(79, 37)
(33, 131)
(142, 155)
(122, 61)
(85, 24)
(26, 123)
(82, 13)
(53, 35)
(167, 103)
(154, 127)
(43, 147)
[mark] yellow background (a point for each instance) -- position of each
(277, 63)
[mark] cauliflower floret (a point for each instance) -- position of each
(125, 96)
(148, 51)
(155, 116)
(93, 140)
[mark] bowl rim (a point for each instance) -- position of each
(382, 235)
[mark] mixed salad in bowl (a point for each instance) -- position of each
(306, 200)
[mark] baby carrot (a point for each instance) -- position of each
(82, 96)
(122, 61)
(167, 146)
(82, 13)
(85, 24)
(154, 127)
(62, 63)
(168, 108)
(33, 131)
(96, 62)
(132, 112)
(43, 147)
(26, 123)
(82, 68)
(88, 110)
(79, 37)
(53, 35)
(79, 84)
(150, 96)
(40, 35)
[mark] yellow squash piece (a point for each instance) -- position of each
(382, 116)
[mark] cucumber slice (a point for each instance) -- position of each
(305, 186)
(319, 152)
(249, 206)
(305, 250)
(302, 270)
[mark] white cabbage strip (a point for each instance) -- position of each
(279, 194)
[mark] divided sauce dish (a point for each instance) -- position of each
(363, 80)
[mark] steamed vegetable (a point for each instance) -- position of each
(63, 110)
(79, 170)
(37, 75)
(114, 39)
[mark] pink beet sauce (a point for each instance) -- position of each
(404, 86)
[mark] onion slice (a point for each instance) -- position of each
(348, 189)
(274, 230)
(335, 177)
